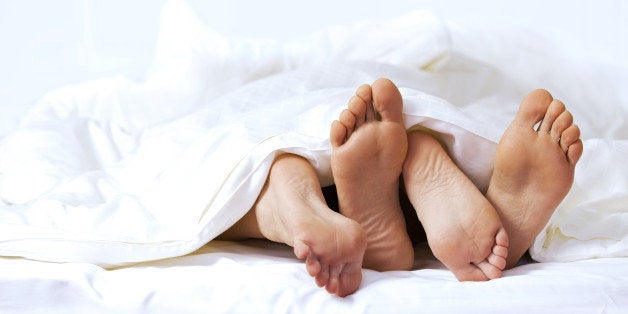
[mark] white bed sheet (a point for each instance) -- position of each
(252, 276)
(264, 277)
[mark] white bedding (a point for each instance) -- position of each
(113, 172)
(261, 277)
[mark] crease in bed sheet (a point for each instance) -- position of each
(113, 172)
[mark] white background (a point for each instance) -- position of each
(47, 44)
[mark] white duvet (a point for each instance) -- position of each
(114, 171)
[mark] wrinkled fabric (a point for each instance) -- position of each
(114, 171)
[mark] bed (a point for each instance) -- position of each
(113, 187)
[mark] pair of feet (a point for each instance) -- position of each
(476, 236)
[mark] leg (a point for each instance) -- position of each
(291, 209)
(463, 229)
(533, 169)
(368, 149)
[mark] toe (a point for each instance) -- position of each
(564, 120)
(365, 93)
(312, 265)
(497, 261)
(533, 108)
(471, 272)
(347, 118)
(490, 270)
(499, 254)
(575, 152)
(323, 276)
(501, 238)
(501, 251)
(334, 280)
(358, 107)
(350, 279)
(301, 250)
(387, 100)
(337, 134)
(556, 107)
(492, 265)
(569, 136)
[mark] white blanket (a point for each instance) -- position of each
(113, 171)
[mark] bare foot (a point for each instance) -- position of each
(533, 169)
(291, 209)
(368, 149)
(463, 229)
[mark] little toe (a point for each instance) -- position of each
(533, 108)
(337, 134)
(564, 120)
(554, 110)
(575, 152)
(387, 100)
(358, 107)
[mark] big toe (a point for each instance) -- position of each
(387, 100)
(533, 108)
(350, 279)
(470, 272)
(490, 270)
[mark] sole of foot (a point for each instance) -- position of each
(534, 168)
(368, 149)
(463, 229)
